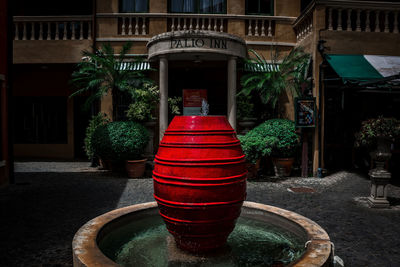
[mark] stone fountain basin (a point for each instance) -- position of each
(86, 251)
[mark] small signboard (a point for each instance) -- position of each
(305, 112)
(192, 100)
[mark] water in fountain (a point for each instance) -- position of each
(253, 243)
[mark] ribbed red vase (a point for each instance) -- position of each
(200, 181)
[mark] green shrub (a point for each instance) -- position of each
(96, 121)
(276, 137)
(245, 106)
(120, 140)
(144, 102)
(371, 129)
(254, 146)
(145, 99)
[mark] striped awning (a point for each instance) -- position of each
(256, 67)
(362, 68)
(141, 65)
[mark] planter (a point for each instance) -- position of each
(135, 168)
(252, 169)
(283, 166)
(382, 152)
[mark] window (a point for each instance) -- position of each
(263, 7)
(40, 120)
(198, 6)
(133, 6)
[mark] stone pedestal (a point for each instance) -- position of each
(379, 181)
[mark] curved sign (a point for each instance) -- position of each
(196, 42)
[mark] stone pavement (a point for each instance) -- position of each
(41, 212)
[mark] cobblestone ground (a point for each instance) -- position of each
(41, 212)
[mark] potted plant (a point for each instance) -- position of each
(285, 145)
(145, 98)
(95, 122)
(122, 141)
(254, 148)
(377, 135)
(101, 72)
(276, 138)
(271, 78)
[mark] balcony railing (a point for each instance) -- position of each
(350, 16)
(52, 28)
(134, 24)
(260, 27)
(362, 20)
(194, 22)
(304, 25)
(138, 24)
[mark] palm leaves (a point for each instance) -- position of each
(289, 75)
(101, 71)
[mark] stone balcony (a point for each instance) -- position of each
(60, 39)
(349, 25)
(149, 24)
(45, 39)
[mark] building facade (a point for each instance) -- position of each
(192, 44)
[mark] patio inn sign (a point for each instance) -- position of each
(198, 43)
(182, 44)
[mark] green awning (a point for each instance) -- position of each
(256, 67)
(138, 65)
(358, 68)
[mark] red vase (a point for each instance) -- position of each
(200, 181)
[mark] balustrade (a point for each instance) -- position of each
(197, 23)
(304, 27)
(260, 27)
(53, 28)
(133, 25)
(362, 20)
(136, 25)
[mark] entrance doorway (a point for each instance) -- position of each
(208, 75)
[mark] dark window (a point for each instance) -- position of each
(51, 7)
(263, 7)
(40, 120)
(133, 6)
(197, 6)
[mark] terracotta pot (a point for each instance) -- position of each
(200, 181)
(252, 169)
(135, 168)
(283, 166)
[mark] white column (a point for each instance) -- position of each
(232, 92)
(163, 83)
